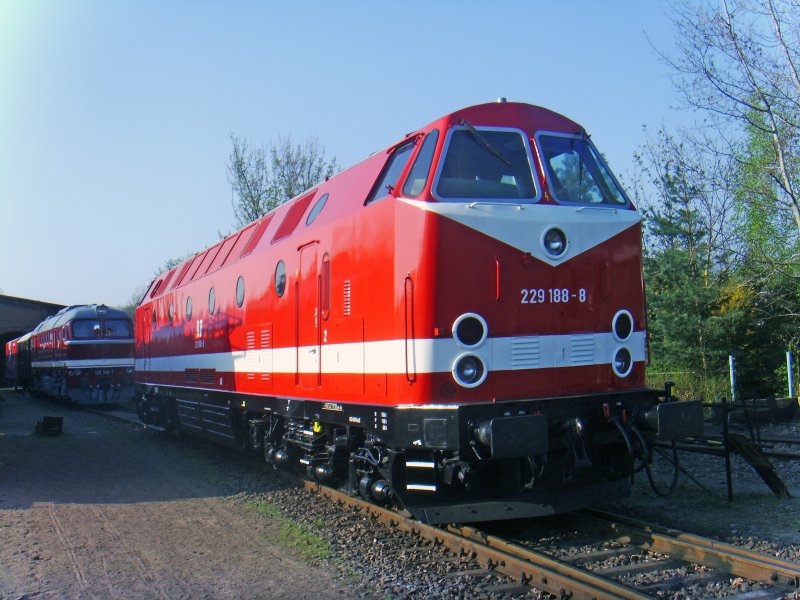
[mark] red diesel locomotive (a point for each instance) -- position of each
(456, 325)
(82, 353)
(12, 374)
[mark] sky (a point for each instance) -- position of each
(115, 116)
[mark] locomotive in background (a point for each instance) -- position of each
(456, 325)
(82, 353)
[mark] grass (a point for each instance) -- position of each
(689, 385)
(294, 536)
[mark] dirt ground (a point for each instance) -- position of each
(110, 510)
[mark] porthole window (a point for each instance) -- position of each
(317, 209)
(188, 308)
(240, 291)
(212, 301)
(280, 278)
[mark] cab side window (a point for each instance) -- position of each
(418, 176)
(391, 172)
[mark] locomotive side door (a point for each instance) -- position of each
(308, 318)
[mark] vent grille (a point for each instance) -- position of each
(525, 353)
(582, 350)
(266, 342)
(250, 357)
(347, 293)
(254, 361)
(208, 376)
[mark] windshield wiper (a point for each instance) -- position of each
(484, 142)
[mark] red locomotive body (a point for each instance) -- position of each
(18, 362)
(456, 325)
(84, 353)
(12, 360)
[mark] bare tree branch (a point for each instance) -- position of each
(263, 179)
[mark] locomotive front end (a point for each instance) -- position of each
(538, 372)
(99, 358)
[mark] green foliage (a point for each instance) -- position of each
(689, 385)
(704, 301)
(685, 267)
(765, 223)
(292, 535)
(722, 222)
(769, 247)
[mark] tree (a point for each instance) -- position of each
(687, 262)
(723, 233)
(738, 63)
(707, 294)
(139, 292)
(263, 179)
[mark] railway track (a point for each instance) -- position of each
(619, 558)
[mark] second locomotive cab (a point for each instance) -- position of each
(455, 325)
(83, 353)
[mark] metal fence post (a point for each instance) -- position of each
(726, 446)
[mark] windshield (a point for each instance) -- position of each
(92, 328)
(487, 164)
(576, 173)
(117, 328)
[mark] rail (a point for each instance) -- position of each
(534, 569)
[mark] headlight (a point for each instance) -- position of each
(554, 242)
(469, 370)
(622, 325)
(622, 362)
(470, 330)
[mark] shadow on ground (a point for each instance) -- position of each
(99, 460)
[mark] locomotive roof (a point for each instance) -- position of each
(80, 311)
(534, 117)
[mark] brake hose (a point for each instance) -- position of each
(675, 473)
